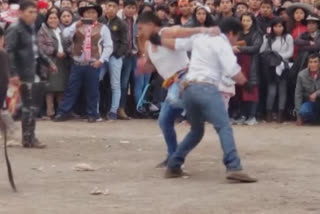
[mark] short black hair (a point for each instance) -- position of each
(230, 24)
(216, 3)
(269, 2)
(113, 1)
(313, 55)
(27, 4)
(163, 7)
(129, 3)
(79, 2)
(149, 17)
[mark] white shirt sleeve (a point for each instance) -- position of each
(107, 44)
(184, 44)
(227, 59)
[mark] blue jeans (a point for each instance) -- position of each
(115, 66)
(140, 82)
(89, 77)
(170, 110)
(204, 103)
(309, 111)
(129, 66)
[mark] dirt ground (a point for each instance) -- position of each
(284, 158)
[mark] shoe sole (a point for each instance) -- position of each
(243, 179)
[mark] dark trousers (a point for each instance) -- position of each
(87, 76)
(32, 96)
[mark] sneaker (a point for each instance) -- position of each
(251, 122)
(112, 116)
(122, 114)
(61, 118)
(175, 173)
(240, 121)
(93, 119)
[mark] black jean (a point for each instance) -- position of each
(274, 88)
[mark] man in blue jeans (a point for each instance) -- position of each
(169, 64)
(211, 58)
(307, 94)
(87, 35)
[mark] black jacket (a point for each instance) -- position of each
(19, 47)
(264, 23)
(4, 74)
(119, 34)
(254, 41)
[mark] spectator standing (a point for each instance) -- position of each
(202, 18)
(226, 9)
(248, 58)
(66, 18)
(119, 31)
(173, 12)
(130, 59)
(185, 12)
(280, 42)
(266, 16)
(241, 8)
(254, 7)
(42, 7)
(88, 37)
(50, 42)
(23, 63)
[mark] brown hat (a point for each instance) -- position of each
(306, 7)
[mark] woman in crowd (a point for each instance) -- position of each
(281, 42)
(50, 42)
(201, 17)
(297, 24)
(66, 18)
(247, 51)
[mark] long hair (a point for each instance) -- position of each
(209, 22)
(50, 12)
(291, 22)
(272, 36)
(254, 26)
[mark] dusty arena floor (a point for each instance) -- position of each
(284, 158)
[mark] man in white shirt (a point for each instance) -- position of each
(212, 57)
(169, 64)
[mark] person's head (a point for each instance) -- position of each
(173, 7)
(278, 27)
(184, 8)
(82, 3)
(313, 62)
(162, 12)
(299, 15)
(158, 2)
(52, 20)
(130, 8)
(145, 8)
(217, 6)
(313, 22)
(66, 17)
(66, 4)
(193, 5)
(148, 23)
(1, 37)
(42, 7)
(91, 11)
(226, 6)
(111, 8)
(28, 12)
(254, 5)
(247, 21)
(55, 9)
(241, 8)
(276, 3)
(210, 4)
(266, 8)
(202, 17)
(231, 27)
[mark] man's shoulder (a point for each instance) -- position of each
(303, 73)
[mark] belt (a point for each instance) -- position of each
(186, 84)
(82, 63)
(168, 82)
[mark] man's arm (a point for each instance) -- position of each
(180, 32)
(11, 41)
(107, 44)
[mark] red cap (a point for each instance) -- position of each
(42, 5)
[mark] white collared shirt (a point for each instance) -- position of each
(212, 58)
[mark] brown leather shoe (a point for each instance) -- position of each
(122, 114)
(240, 176)
(36, 144)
